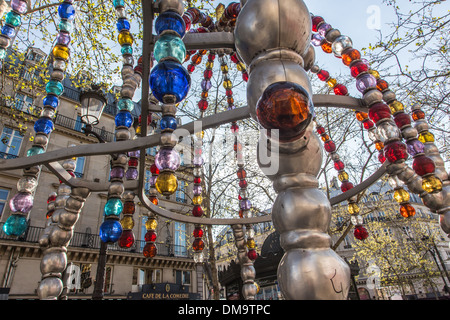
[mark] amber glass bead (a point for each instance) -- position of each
(154, 200)
(401, 195)
(166, 183)
(204, 95)
(343, 176)
(407, 210)
(251, 244)
(326, 47)
(61, 52)
(350, 55)
(240, 66)
(361, 116)
(151, 224)
(241, 173)
(284, 106)
(431, 184)
(353, 208)
(125, 37)
(149, 250)
(382, 85)
(426, 136)
(396, 106)
(325, 137)
(197, 200)
(129, 207)
(127, 222)
(418, 114)
(196, 59)
(374, 73)
(224, 68)
(198, 245)
(209, 65)
(331, 82)
(227, 84)
(379, 145)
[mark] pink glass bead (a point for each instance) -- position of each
(365, 81)
(19, 6)
(21, 202)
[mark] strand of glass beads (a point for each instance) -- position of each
(206, 82)
(50, 204)
(170, 83)
(198, 245)
(240, 66)
(152, 192)
(22, 203)
(228, 16)
(227, 84)
(150, 249)
(13, 20)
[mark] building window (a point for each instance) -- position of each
(23, 102)
(79, 169)
(108, 280)
(180, 194)
(146, 276)
(3, 197)
(180, 249)
(79, 124)
(11, 141)
(183, 277)
(147, 184)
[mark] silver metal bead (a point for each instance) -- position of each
(444, 221)
(80, 193)
(67, 219)
(64, 189)
(74, 204)
(50, 288)
(340, 44)
(332, 35)
(249, 291)
(57, 75)
(122, 133)
(120, 160)
(421, 125)
(372, 96)
(173, 5)
(127, 91)
(40, 139)
(59, 237)
(389, 96)
(69, 165)
(53, 262)
(60, 201)
(248, 272)
(4, 41)
(116, 189)
(127, 71)
(128, 195)
(409, 132)
(310, 58)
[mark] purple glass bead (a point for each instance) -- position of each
(63, 38)
(323, 29)
(206, 85)
(21, 202)
(365, 81)
(167, 159)
(131, 174)
(317, 39)
(19, 6)
(152, 180)
(198, 161)
(197, 189)
(415, 147)
(135, 154)
(116, 173)
(245, 204)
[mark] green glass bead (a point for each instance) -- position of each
(118, 3)
(13, 19)
(65, 25)
(126, 49)
(54, 87)
(169, 45)
(125, 104)
(15, 225)
(34, 151)
(113, 207)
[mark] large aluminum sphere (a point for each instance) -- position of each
(172, 5)
(59, 237)
(248, 272)
(50, 288)
(249, 291)
(268, 72)
(267, 24)
(67, 219)
(54, 262)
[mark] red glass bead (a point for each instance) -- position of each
(197, 211)
(423, 165)
(198, 233)
(133, 162)
(402, 119)
(126, 240)
(197, 180)
(382, 85)
(284, 106)
(339, 165)
(323, 75)
(243, 184)
(330, 146)
(203, 105)
(346, 185)
(316, 21)
(191, 68)
(241, 173)
(418, 114)
(379, 111)
(154, 169)
(234, 128)
(51, 198)
(358, 68)
(49, 214)
(150, 236)
(129, 207)
(234, 58)
(395, 151)
(350, 55)
(381, 157)
(149, 250)
(320, 130)
(368, 124)
(340, 90)
(211, 57)
(207, 74)
(252, 254)
(360, 233)
(245, 76)
(198, 245)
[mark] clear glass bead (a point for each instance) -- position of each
(395, 182)
(27, 184)
(388, 131)
(340, 44)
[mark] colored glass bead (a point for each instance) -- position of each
(431, 184)
(251, 244)
(113, 207)
(388, 131)
(415, 147)
(340, 44)
(125, 37)
(382, 85)
(343, 176)
(122, 24)
(396, 106)
(330, 146)
(118, 3)
(12, 18)
(350, 55)
(110, 231)
(124, 119)
(361, 116)
(339, 165)
(324, 28)
(151, 224)
(197, 200)
(129, 207)
(198, 232)
(365, 81)
(170, 20)
(418, 114)
(150, 236)
(203, 105)
(132, 174)
(65, 25)
(168, 122)
(54, 87)
(358, 68)
(35, 151)
(426, 136)
(197, 189)
(340, 90)
(61, 52)
(117, 173)
(407, 210)
(326, 47)
(198, 245)
(353, 208)
(206, 84)
(323, 75)
(154, 169)
(127, 222)
(241, 173)
(169, 45)
(44, 125)
(63, 38)
(125, 104)
(379, 111)
(317, 39)
(284, 106)
(360, 233)
(169, 78)
(21, 202)
(331, 82)
(66, 11)
(379, 145)
(19, 6)
(401, 195)
(150, 250)
(167, 158)
(15, 225)
(166, 183)
(423, 165)
(126, 240)
(381, 157)
(197, 211)
(395, 151)
(402, 119)
(252, 254)
(316, 21)
(345, 186)
(8, 31)
(126, 49)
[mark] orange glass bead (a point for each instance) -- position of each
(382, 85)
(196, 59)
(361, 116)
(129, 207)
(204, 95)
(326, 47)
(149, 250)
(325, 137)
(154, 200)
(198, 245)
(407, 210)
(350, 55)
(379, 146)
(418, 114)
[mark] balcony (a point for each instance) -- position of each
(77, 125)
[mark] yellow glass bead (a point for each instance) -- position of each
(240, 66)
(251, 244)
(375, 73)
(431, 184)
(426, 136)
(224, 68)
(401, 195)
(227, 84)
(138, 130)
(331, 82)
(197, 200)
(166, 183)
(396, 106)
(61, 52)
(151, 224)
(127, 222)
(200, 134)
(125, 37)
(343, 176)
(353, 208)
(209, 65)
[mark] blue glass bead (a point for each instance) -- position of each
(126, 49)
(66, 11)
(65, 25)
(169, 77)
(122, 24)
(44, 125)
(170, 45)
(13, 19)
(15, 225)
(9, 31)
(118, 3)
(168, 122)
(51, 101)
(125, 104)
(124, 119)
(110, 231)
(34, 151)
(54, 87)
(170, 20)
(113, 207)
